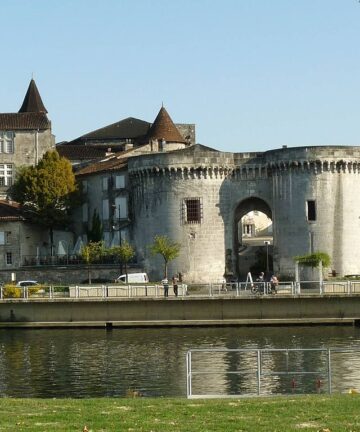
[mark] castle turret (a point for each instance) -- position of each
(32, 101)
(24, 137)
(164, 135)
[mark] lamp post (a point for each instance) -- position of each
(120, 230)
(267, 256)
(117, 227)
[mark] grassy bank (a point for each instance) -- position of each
(281, 414)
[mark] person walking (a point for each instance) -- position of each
(165, 284)
(175, 282)
(274, 282)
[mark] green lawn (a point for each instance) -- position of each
(283, 414)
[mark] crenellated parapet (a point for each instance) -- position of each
(246, 166)
(314, 166)
(184, 172)
(315, 160)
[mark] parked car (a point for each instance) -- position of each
(133, 278)
(27, 283)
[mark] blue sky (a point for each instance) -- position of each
(251, 74)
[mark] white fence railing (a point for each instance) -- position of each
(234, 289)
(220, 373)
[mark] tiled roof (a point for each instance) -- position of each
(164, 128)
(81, 152)
(24, 121)
(10, 211)
(129, 128)
(32, 101)
(113, 163)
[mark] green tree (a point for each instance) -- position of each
(124, 252)
(95, 234)
(167, 248)
(92, 252)
(47, 191)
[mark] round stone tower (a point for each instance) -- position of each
(315, 205)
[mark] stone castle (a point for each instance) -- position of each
(198, 196)
(146, 179)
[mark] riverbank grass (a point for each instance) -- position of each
(280, 414)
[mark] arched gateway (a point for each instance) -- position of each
(197, 196)
(251, 239)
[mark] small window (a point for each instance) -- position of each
(2, 237)
(6, 172)
(192, 210)
(6, 142)
(8, 237)
(105, 209)
(8, 258)
(85, 212)
(311, 211)
(105, 183)
(85, 186)
(120, 182)
(121, 208)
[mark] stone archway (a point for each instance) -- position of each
(252, 204)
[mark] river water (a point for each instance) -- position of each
(96, 363)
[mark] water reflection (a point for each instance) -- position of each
(94, 362)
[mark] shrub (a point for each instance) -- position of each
(11, 291)
(313, 260)
(34, 289)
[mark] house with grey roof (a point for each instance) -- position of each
(121, 136)
(105, 183)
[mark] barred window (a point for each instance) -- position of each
(192, 210)
(8, 258)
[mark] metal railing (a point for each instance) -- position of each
(209, 290)
(269, 371)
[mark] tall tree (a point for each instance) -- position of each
(47, 191)
(91, 253)
(124, 252)
(167, 248)
(95, 234)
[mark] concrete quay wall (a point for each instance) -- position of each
(180, 312)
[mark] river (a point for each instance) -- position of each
(98, 363)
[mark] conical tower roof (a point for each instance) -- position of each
(164, 128)
(32, 102)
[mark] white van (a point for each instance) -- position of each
(133, 278)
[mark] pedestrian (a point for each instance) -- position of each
(261, 277)
(261, 283)
(175, 281)
(274, 282)
(165, 284)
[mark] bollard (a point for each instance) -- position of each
(293, 384)
(318, 385)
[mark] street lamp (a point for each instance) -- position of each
(266, 243)
(117, 227)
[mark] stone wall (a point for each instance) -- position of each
(61, 275)
(29, 147)
(135, 312)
